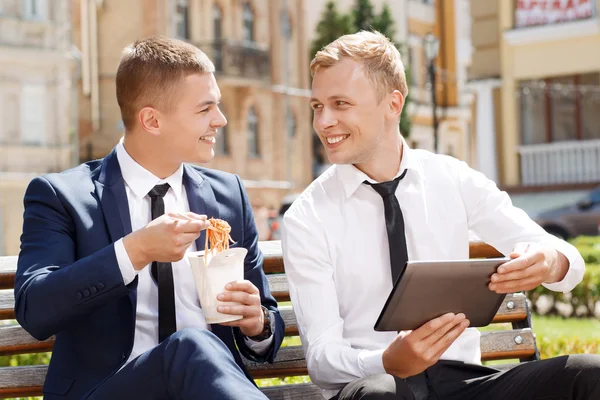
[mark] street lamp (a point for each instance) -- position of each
(432, 47)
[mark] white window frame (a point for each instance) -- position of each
(36, 10)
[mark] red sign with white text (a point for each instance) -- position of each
(544, 12)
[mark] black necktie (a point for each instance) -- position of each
(394, 223)
(162, 273)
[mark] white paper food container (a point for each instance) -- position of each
(225, 267)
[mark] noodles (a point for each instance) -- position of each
(217, 236)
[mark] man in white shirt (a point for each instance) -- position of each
(102, 264)
(382, 204)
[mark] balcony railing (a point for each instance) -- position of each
(560, 163)
(33, 34)
(34, 158)
(247, 60)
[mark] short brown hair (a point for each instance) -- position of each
(381, 60)
(149, 72)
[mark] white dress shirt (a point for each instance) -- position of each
(138, 182)
(337, 257)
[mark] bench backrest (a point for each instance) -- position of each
(516, 343)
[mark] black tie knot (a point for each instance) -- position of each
(387, 188)
(159, 191)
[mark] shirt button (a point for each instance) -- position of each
(93, 290)
(79, 296)
(86, 293)
(100, 286)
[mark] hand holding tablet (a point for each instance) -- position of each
(430, 289)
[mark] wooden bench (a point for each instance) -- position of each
(516, 343)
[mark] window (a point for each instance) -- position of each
(10, 119)
(589, 100)
(533, 112)
(414, 64)
(181, 19)
(564, 109)
(560, 109)
(248, 17)
(218, 37)
(253, 146)
(35, 9)
(290, 124)
(286, 25)
(222, 145)
(33, 114)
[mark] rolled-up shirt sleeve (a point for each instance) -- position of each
(331, 360)
(494, 219)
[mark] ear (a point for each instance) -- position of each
(395, 104)
(148, 119)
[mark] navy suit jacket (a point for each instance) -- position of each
(68, 281)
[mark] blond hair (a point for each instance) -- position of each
(381, 60)
(149, 72)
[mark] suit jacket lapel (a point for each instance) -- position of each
(201, 198)
(110, 188)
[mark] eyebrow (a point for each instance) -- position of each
(207, 103)
(334, 97)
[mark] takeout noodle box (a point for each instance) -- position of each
(223, 268)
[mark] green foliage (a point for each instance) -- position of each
(25, 359)
(582, 300)
(553, 347)
(363, 15)
(331, 26)
(384, 23)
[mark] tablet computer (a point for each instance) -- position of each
(429, 289)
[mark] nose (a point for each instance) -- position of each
(324, 119)
(220, 121)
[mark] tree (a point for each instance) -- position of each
(363, 15)
(384, 22)
(331, 26)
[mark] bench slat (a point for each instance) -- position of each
(34, 376)
(7, 304)
(12, 378)
(279, 289)
(273, 259)
(302, 391)
(15, 340)
(288, 362)
(501, 345)
(8, 266)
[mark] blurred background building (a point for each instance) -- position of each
(536, 74)
(38, 102)
(510, 86)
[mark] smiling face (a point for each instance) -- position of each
(348, 117)
(188, 131)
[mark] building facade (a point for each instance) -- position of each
(448, 21)
(256, 46)
(38, 71)
(537, 71)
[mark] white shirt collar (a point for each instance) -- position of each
(351, 177)
(140, 180)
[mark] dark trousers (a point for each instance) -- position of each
(190, 364)
(574, 377)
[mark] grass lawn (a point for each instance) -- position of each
(553, 327)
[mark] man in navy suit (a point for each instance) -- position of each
(102, 264)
